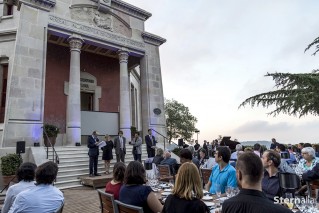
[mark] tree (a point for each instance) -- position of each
(296, 94)
(180, 122)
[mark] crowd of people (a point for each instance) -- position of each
(254, 170)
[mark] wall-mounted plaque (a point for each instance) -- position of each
(157, 111)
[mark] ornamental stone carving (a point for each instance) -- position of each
(123, 55)
(75, 42)
(92, 17)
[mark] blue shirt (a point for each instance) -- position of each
(40, 199)
(226, 177)
(13, 191)
(136, 195)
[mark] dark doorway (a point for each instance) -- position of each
(86, 101)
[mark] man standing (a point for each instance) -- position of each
(150, 144)
(137, 147)
(44, 197)
(93, 145)
(120, 149)
(249, 172)
(273, 144)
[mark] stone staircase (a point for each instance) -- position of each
(74, 164)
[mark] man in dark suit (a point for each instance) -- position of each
(150, 144)
(120, 149)
(93, 145)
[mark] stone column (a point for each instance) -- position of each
(73, 114)
(125, 107)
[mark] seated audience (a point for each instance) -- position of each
(311, 174)
(270, 181)
(234, 156)
(158, 157)
(233, 164)
(168, 160)
(186, 156)
(249, 173)
(194, 156)
(223, 173)
(25, 175)
(210, 163)
(134, 192)
(44, 197)
(202, 157)
(257, 149)
(309, 159)
(187, 192)
(114, 186)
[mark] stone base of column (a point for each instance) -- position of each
(73, 136)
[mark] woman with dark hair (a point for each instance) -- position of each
(107, 153)
(115, 184)
(187, 192)
(202, 157)
(137, 194)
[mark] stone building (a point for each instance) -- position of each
(81, 65)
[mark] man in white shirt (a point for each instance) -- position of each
(120, 149)
(45, 197)
(25, 175)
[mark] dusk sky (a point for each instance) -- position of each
(217, 53)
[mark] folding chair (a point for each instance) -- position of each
(126, 208)
(288, 182)
(205, 174)
(60, 209)
(164, 173)
(107, 202)
(313, 187)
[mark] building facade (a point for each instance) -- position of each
(81, 65)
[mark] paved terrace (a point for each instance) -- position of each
(81, 199)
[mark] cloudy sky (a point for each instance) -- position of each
(217, 53)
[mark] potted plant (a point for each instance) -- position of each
(9, 165)
(50, 132)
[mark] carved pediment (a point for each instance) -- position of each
(106, 21)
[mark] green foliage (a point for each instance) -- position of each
(133, 131)
(176, 151)
(179, 121)
(10, 163)
(314, 43)
(296, 94)
(51, 130)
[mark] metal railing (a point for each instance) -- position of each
(55, 157)
(164, 138)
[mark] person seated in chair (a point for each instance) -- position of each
(168, 160)
(249, 173)
(114, 186)
(223, 173)
(44, 197)
(158, 157)
(25, 175)
(270, 182)
(134, 192)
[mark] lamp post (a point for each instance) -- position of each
(197, 132)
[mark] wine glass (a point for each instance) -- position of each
(289, 202)
(218, 190)
(229, 191)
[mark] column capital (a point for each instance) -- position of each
(75, 42)
(123, 55)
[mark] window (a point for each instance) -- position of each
(4, 75)
(8, 8)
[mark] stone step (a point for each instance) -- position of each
(74, 165)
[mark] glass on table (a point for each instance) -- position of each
(229, 191)
(289, 200)
(218, 190)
